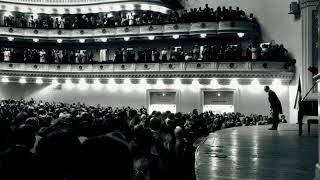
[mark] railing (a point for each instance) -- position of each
(231, 66)
(215, 28)
(54, 2)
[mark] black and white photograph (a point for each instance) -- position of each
(159, 89)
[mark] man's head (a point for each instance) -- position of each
(266, 88)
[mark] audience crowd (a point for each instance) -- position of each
(175, 54)
(125, 18)
(58, 141)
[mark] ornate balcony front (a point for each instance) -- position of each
(246, 69)
(211, 28)
(85, 6)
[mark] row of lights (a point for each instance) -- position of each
(214, 82)
(175, 36)
(95, 9)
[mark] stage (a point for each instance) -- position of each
(255, 153)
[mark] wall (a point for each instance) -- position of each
(250, 100)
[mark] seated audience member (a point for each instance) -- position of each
(58, 152)
(17, 162)
(105, 157)
(25, 136)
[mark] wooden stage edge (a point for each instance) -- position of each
(256, 153)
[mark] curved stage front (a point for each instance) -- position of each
(255, 153)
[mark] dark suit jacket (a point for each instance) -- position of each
(275, 103)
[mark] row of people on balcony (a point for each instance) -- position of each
(208, 13)
(143, 55)
(116, 19)
(267, 51)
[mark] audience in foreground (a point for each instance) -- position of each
(60, 141)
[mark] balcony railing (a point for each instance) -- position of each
(214, 28)
(76, 2)
(246, 69)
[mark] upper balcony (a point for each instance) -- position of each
(234, 28)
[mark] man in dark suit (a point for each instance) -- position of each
(275, 106)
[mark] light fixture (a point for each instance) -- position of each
(195, 82)
(22, 80)
(129, 7)
(54, 82)
(143, 81)
(4, 80)
(96, 81)
(177, 81)
(151, 37)
(111, 81)
(126, 38)
(59, 40)
(82, 40)
(160, 84)
(82, 81)
(116, 7)
(234, 83)
(240, 35)
(255, 83)
(39, 81)
(203, 35)
(10, 38)
(68, 81)
(104, 39)
(214, 83)
(97, 84)
(82, 84)
(219, 94)
(145, 7)
(276, 82)
(127, 81)
(176, 36)
(68, 84)
(35, 40)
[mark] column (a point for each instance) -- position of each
(317, 168)
(307, 8)
(317, 79)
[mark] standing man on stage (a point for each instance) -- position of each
(275, 106)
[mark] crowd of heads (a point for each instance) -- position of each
(207, 52)
(267, 51)
(42, 140)
(125, 18)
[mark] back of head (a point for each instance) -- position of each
(106, 157)
(17, 162)
(5, 132)
(58, 152)
(24, 135)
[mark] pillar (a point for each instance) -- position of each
(317, 79)
(307, 8)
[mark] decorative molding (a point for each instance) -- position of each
(252, 29)
(82, 6)
(154, 70)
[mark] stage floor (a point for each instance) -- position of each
(255, 153)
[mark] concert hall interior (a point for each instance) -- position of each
(159, 89)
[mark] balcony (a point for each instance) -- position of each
(245, 69)
(211, 28)
(85, 6)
